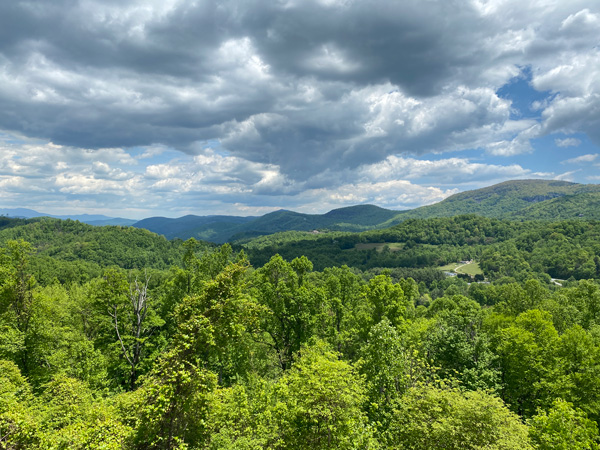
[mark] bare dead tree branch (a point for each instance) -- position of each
(114, 315)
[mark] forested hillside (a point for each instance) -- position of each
(230, 228)
(516, 200)
(503, 248)
(73, 251)
(522, 199)
(92, 219)
(155, 344)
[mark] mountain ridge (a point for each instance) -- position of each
(514, 199)
(91, 219)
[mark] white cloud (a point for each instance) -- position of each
(186, 101)
(253, 74)
(567, 142)
(76, 183)
(227, 184)
(566, 176)
(393, 194)
(582, 159)
(582, 19)
(452, 171)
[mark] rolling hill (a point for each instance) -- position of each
(91, 219)
(230, 228)
(519, 199)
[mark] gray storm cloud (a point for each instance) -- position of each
(307, 86)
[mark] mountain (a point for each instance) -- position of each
(20, 213)
(207, 228)
(584, 205)
(230, 228)
(517, 199)
(92, 219)
(111, 221)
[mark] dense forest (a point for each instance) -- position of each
(517, 249)
(117, 338)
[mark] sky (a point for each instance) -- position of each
(172, 107)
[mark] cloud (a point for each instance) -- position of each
(567, 142)
(166, 182)
(283, 104)
(582, 159)
(393, 194)
(452, 171)
(308, 86)
(566, 176)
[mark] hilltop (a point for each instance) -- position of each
(71, 250)
(231, 228)
(517, 200)
(92, 219)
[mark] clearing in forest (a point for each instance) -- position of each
(467, 267)
(392, 246)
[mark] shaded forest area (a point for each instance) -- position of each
(116, 338)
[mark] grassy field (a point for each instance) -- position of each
(394, 246)
(469, 269)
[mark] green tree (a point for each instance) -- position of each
(72, 418)
(429, 418)
(529, 362)
(56, 343)
(126, 321)
(342, 295)
(383, 298)
(384, 364)
(240, 417)
(579, 383)
(16, 301)
(200, 269)
(320, 403)
(563, 427)
(292, 305)
(18, 423)
(173, 404)
(457, 345)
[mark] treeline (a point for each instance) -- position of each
(71, 251)
(216, 354)
(503, 248)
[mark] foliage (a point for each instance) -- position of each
(291, 306)
(173, 404)
(563, 428)
(214, 353)
(68, 241)
(428, 417)
(320, 403)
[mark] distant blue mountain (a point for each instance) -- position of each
(21, 213)
(518, 199)
(230, 228)
(208, 228)
(92, 219)
(110, 221)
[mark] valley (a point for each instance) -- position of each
(300, 318)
